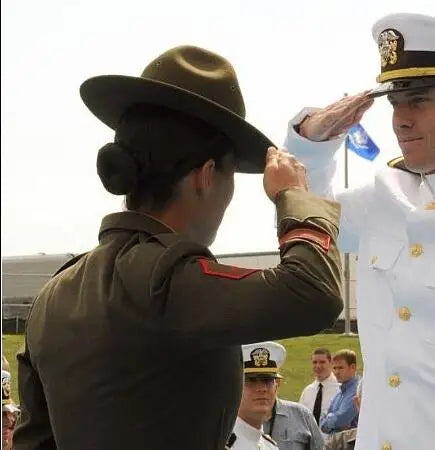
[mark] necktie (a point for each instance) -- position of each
(318, 403)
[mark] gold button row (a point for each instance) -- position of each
(404, 313)
(394, 381)
(416, 250)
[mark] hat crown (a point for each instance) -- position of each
(201, 72)
(406, 45)
(263, 357)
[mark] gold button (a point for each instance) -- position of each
(387, 446)
(394, 380)
(430, 205)
(416, 250)
(374, 259)
(404, 313)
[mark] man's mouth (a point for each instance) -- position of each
(406, 140)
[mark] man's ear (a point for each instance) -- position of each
(203, 178)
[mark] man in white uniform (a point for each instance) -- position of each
(261, 363)
(390, 222)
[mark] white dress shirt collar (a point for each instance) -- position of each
(330, 380)
(249, 432)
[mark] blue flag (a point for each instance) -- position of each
(361, 143)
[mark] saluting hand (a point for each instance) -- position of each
(335, 119)
(283, 171)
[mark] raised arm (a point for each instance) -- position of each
(198, 300)
(314, 137)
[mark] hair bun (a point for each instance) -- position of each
(117, 169)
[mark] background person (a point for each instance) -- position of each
(318, 395)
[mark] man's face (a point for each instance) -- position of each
(342, 370)
(322, 367)
(414, 126)
(259, 394)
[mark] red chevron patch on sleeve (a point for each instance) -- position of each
(307, 234)
(215, 269)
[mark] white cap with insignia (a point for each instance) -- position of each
(407, 50)
(263, 358)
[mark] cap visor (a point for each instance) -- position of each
(406, 84)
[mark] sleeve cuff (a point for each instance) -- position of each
(296, 207)
(303, 147)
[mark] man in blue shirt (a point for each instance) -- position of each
(342, 413)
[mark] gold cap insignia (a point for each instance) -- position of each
(260, 356)
(387, 43)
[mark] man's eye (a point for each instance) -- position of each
(418, 100)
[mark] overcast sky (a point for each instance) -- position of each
(287, 55)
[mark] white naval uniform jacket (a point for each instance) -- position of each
(250, 438)
(390, 222)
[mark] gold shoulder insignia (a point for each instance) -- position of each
(268, 438)
(399, 163)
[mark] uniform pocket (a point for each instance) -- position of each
(383, 253)
(295, 440)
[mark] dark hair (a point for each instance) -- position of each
(322, 351)
(154, 149)
(347, 355)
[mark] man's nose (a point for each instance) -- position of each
(402, 116)
(260, 386)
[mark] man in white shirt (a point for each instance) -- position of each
(318, 395)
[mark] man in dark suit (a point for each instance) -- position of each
(146, 328)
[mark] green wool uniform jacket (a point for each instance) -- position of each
(136, 345)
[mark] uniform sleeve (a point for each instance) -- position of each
(33, 431)
(320, 160)
(214, 305)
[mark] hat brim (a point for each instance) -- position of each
(10, 407)
(109, 96)
(262, 375)
(404, 84)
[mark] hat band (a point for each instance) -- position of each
(405, 73)
(261, 370)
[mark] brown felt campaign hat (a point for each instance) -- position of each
(187, 79)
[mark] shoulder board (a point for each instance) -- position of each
(70, 263)
(398, 163)
(268, 438)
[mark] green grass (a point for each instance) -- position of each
(296, 371)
